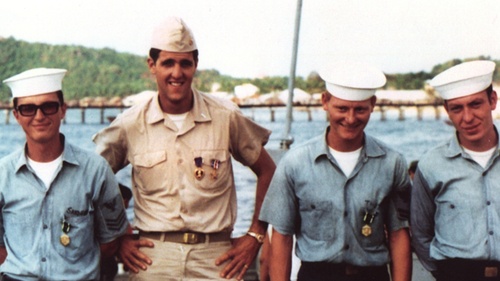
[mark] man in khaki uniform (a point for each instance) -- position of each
(180, 144)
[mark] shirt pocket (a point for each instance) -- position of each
(81, 235)
(217, 168)
(150, 167)
(318, 220)
(459, 222)
(21, 230)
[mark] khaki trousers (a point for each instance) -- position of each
(176, 262)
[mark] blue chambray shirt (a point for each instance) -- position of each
(310, 197)
(455, 206)
(85, 193)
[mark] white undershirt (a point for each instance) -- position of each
(346, 160)
(481, 157)
(46, 171)
(178, 119)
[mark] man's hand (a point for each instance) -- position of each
(129, 253)
(241, 255)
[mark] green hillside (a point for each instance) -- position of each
(92, 72)
(107, 73)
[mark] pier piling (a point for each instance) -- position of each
(7, 116)
(401, 113)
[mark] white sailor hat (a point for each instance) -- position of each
(352, 81)
(35, 81)
(464, 79)
(173, 35)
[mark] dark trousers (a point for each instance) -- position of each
(467, 270)
(324, 271)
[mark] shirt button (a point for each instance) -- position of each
(488, 203)
(345, 214)
(452, 206)
(45, 226)
(346, 247)
(44, 259)
(491, 232)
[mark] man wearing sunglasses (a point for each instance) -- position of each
(60, 206)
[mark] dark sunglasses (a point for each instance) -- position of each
(48, 108)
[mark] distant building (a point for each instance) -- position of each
(403, 95)
(246, 91)
(138, 98)
(299, 96)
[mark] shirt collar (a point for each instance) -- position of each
(370, 148)
(199, 110)
(455, 149)
(68, 155)
(154, 114)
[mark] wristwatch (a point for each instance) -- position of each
(259, 237)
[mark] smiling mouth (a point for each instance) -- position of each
(470, 129)
(350, 127)
(41, 127)
(176, 84)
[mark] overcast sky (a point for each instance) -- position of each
(254, 38)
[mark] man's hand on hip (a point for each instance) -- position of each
(241, 255)
(131, 256)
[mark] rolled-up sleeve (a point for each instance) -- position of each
(110, 144)
(110, 215)
(279, 207)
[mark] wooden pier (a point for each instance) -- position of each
(382, 107)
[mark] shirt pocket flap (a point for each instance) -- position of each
(150, 159)
(209, 155)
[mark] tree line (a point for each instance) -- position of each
(108, 73)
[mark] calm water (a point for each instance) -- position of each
(411, 137)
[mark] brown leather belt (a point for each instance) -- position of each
(186, 237)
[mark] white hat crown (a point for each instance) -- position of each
(173, 35)
(354, 81)
(464, 79)
(36, 81)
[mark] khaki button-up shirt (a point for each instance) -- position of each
(167, 195)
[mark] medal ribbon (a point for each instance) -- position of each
(214, 163)
(198, 161)
(65, 226)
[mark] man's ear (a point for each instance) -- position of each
(493, 100)
(64, 107)
(325, 97)
(445, 105)
(152, 66)
(373, 101)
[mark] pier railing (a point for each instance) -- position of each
(382, 106)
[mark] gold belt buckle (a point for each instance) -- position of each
(190, 238)
(490, 271)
